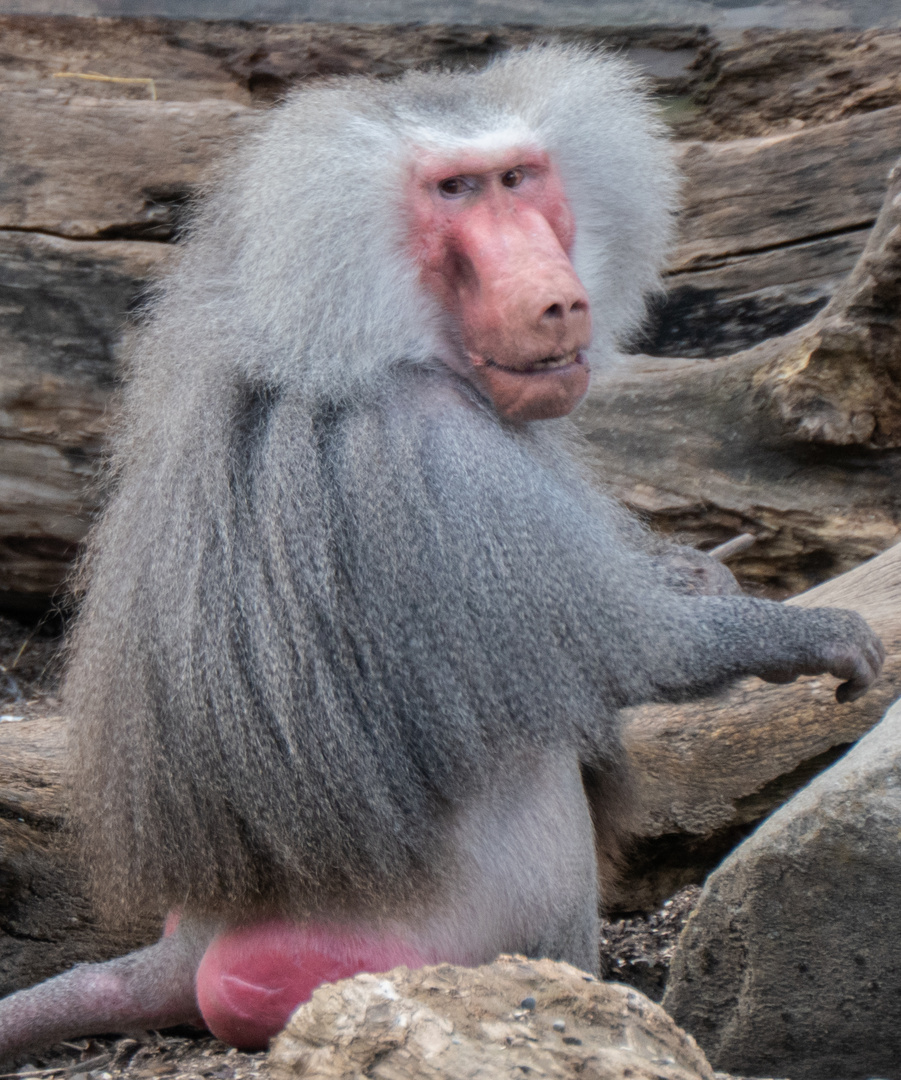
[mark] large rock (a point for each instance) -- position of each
(514, 1017)
(791, 960)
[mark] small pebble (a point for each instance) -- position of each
(528, 1003)
(559, 1025)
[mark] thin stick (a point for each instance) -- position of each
(733, 547)
(79, 1066)
(94, 77)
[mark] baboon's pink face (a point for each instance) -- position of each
(492, 235)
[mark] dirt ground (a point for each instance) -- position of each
(636, 951)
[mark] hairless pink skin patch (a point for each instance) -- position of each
(252, 978)
(492, 234)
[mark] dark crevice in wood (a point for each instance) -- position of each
(39, 822)
(125, 233)
(714, 263)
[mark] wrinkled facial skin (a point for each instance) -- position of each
(492, 234)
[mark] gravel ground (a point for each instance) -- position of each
(636, 951)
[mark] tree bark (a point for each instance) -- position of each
(794, 441)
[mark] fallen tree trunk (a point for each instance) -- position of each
(709, 772)
(796, 441)
(95, 174)
(46, 925)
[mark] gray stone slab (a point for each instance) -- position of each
(791, 962)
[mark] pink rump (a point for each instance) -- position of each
(252, 978)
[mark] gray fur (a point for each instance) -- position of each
(333, 596)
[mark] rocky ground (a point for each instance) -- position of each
(636, 951)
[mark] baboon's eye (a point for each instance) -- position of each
(512, 178)
(453, 186)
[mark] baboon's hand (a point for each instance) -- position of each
(839, 643)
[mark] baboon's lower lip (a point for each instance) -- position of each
(543, 390)
(547, 363)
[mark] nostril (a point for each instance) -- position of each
(555, 311)
(579, 306)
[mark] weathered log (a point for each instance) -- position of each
(90, 168)
(794, 441)
(838, 382)
(776, 79)
(86, 167)
(768, 229)
(710, 771)
(62, 316)
(754, 194)
(248, 61)
(46, 925)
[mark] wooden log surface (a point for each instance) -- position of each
(46, 925)
(754, 194)
(709, 771)
(703, 474)
(795, 441)
(62, 307)
(247, 61)
(93, 168)
(770, 227)
(771, 80)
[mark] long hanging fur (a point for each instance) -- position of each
(332, 591)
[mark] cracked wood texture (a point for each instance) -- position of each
(795, 441)
(95, 178)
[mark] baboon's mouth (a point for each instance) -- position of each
(548, 363)
(541, 389)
